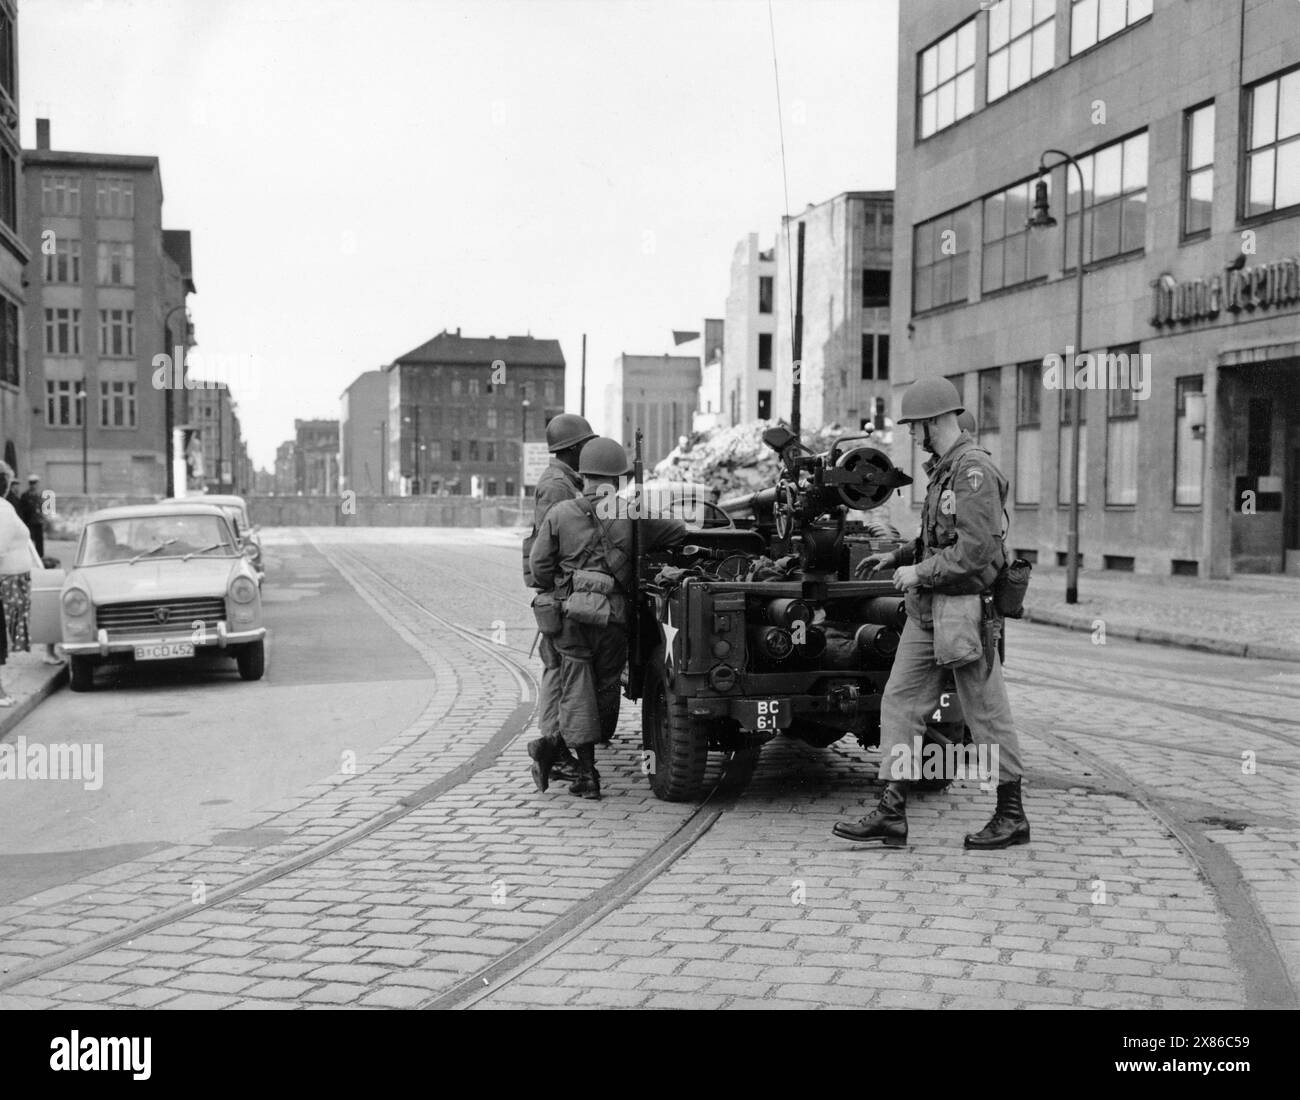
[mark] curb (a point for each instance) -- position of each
(56, 679)
(1266, 651)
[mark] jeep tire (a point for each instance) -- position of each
(678, 744)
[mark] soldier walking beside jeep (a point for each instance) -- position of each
(947, 574)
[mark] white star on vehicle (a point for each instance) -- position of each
(670, 633)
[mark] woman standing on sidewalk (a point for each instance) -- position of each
(15, 577)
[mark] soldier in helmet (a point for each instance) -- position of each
(565, 436)
(592, 535)
(958, 552)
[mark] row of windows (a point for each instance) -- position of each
(65, 399)
(1021, 45)
(429, 418)
(1121, 438)
(114, 266)
(434, 485)
(1112, 206)
(465, 450)
(480, 382)
(114, 198)
(10, 366)
(116, 332)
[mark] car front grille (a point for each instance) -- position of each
(152, 616)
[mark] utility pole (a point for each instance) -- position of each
(797, 341)
(221, 439)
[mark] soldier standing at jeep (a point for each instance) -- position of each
(957, 557)
(565, 436)
(583, 553)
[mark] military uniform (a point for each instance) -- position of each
(559, 482)
(959, 551)
(592, 657)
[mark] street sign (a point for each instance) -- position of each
(536, 459)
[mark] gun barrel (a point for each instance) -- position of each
(761, 498)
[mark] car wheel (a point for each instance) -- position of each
(679, 744)
(252, 660)
(81, 673)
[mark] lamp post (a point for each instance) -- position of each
(169, 416)
(523, 459)
(85, 420)
(1042, 219)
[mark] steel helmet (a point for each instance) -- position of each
(929, 397)
(604, 457)
(567, 430)
(966, 421)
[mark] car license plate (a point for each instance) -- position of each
(762, 715)
(164, 652)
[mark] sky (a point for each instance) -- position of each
(358, 175)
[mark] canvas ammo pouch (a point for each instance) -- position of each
(546, 610)
(957, 637)
(1010, 587)
(593, 598)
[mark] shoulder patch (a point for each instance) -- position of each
(975, 477)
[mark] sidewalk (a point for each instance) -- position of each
(1251, 615)
(28, 680)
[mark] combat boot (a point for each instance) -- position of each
(588, 784)
(1007, 826)
(886, 823)
(542, 752)
(564, 765)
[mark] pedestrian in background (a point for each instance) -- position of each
(15, 576)
(32, 514)
(583, 557)
(560, 481)
(946, 573)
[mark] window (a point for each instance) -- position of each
(9, 189)
(765, 404)
(62, 407)
(1273, 145)
(764, 351)
(765, 294)
(491, 418)
(10, 367)
(875, 288)
(114, 198)
(455, 386)
(7, 54)
(1029, 399)
(116, 263)
(989, 416)
(60, 195)
(1063, 473)
(875, 356)
(548, 392)
(473, 450)
(117, 404)
(879, 228)
(1013, 253)
(491, 486)
(1114, 202)
(435, 450)
(117, 332)
(947, 80)
(1121, 443)
(455, 450)
(1093, 21)
(1022, 43)
(1189, 446)
(62, 331)
(489, 451)
(63, 265)
(1198, 169)
(940, 262)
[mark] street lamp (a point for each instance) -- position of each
(1042, 219)
(169, 426)
(85, 419)
(523, 460)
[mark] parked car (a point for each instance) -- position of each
(236, 507)
(152, 582)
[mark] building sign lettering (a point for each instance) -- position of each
(1263, 286)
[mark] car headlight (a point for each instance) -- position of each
(242, 590)
(75, 603)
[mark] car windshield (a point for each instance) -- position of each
(167, 536)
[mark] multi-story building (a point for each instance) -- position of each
(745, 386)
(98, 313)
(285, 477)
(656, 393)
(1184, 118)
(458, 408)
(845, 339)
(711, 401)
(316, 457)
(15, 421)
(363, 431)
(215, 412)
